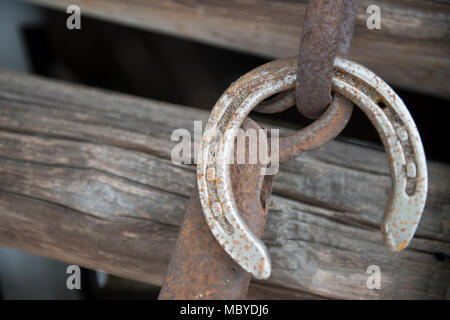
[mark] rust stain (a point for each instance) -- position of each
(402, 245)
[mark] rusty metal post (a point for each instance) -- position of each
(199, 267)
(327, 33)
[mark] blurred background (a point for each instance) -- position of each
(155, 66)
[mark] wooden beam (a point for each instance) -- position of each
(86, 178)
(411, 50)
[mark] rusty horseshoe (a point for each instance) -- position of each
(377, 100)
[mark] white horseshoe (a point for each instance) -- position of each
(377, 100)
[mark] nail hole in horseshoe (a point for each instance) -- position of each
(381, 104)
(262, 201)
(265, 189)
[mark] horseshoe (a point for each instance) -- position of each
(372, 95)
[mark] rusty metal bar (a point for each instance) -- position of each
(200, 268)
(280, 102)
(321, 131)
(327, 33)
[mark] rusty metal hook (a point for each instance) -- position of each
(327, 33)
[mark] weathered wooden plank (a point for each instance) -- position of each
(410, 50)
(86, 177)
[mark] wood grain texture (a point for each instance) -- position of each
(86, 178)
(411, 50)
